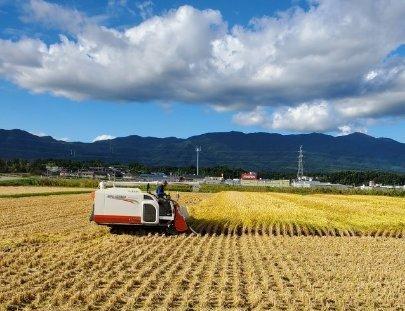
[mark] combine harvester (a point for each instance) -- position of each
(121, 205)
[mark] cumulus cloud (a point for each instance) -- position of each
(315, 117)
(345, 129)
(329, 64)
(256, 117)
(103, 137)
(306, 117)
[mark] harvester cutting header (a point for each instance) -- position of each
(133, 207)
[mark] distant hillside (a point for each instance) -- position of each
(256, 151)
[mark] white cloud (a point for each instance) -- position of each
(329, 62)
(53, 15)
(315, 117)
(306, 117)
(302, 118)
(256, 117)
(145, 9)
(40, 134)
(371, 75)
(345, 129)
(103, 137)
(116, 7)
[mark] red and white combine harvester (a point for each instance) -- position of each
(120, 205)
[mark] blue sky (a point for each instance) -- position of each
(181, 68)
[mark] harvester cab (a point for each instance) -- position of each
(120, 205)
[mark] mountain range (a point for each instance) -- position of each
(253, 151)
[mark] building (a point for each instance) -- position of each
(279, 183)
(249, 176)
(86, 174)
(232, 182)
(213, 180)
(308, 182)
(52, 170)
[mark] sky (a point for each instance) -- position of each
(98, 69)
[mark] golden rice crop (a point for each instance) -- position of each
(52, 258)
(292, 214)
(11, 190)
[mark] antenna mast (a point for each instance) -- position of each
(300, 172)
(198, 150)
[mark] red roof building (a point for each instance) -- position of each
(248, 176)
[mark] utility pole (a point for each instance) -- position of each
(198, 150)
(300, 172)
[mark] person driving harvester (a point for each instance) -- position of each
(165, 208)
(160, 190)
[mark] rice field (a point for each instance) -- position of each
(294, 214)
(28, 190)
(52, 258)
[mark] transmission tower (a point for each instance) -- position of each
(198, 150)
(300, 172)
